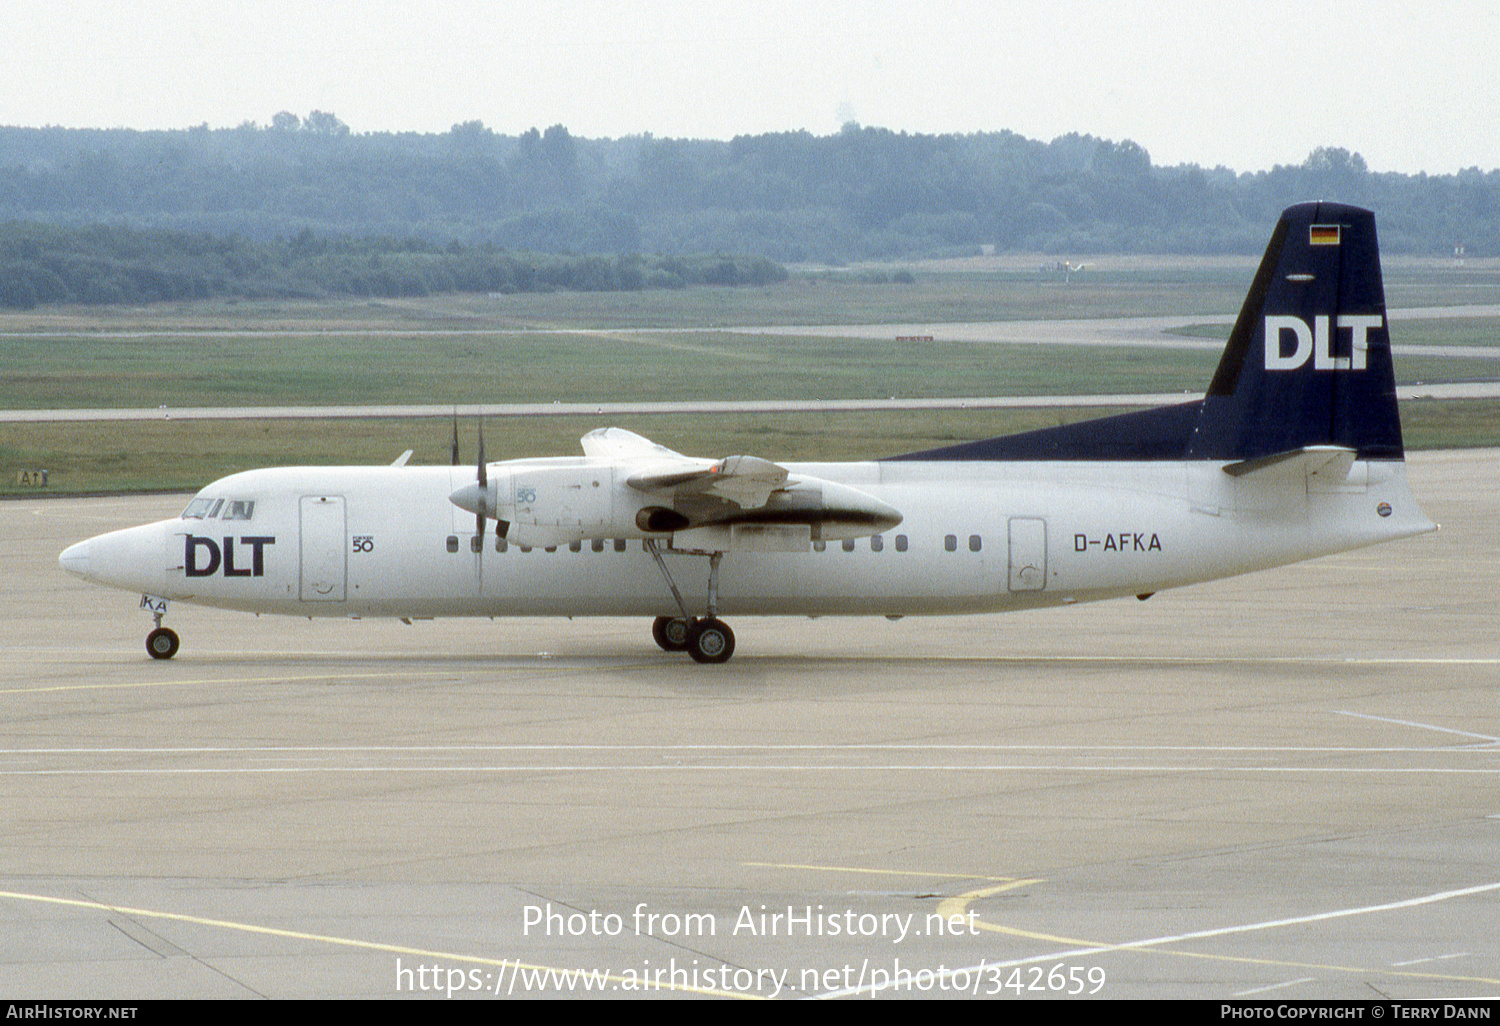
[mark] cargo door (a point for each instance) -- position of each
(1028, 554)
(324, 549)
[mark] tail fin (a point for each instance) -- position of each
(1309, 360)
(1308, 364)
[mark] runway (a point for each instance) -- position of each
(1285, 786)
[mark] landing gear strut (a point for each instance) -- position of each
(708, 640)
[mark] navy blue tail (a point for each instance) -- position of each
(1308, 363)
(1309, 360)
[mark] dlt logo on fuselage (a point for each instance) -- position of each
(1317, 341)
(216, 556)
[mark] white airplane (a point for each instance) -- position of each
(1294, 452)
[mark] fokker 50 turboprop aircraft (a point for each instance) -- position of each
(1294, 452)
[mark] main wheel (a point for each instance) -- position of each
(671, 632)
(711, 641)
(162, 643)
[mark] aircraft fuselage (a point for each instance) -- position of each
(387, 541)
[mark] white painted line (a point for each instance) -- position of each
(1423, 726)
(1223, 931)
(1274, 986)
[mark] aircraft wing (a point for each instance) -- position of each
(619, 444)
(746, 493)
(746, 481)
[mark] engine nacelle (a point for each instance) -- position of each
(558, 502)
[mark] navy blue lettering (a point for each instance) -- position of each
(190, 557)
(257, 554)
(212, 557)
(229, 567)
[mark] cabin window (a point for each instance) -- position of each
(240, 509)
(820, 546)
(501, 544)
(877, 543)
(597, 544)
(848, 544)
(951, 543)
(576, 546)
(974, 543)
(453, 543)
(619, 544)
(476, 543)
(900, 543)
(202, 509)
(550, 548)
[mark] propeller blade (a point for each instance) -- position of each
(455, 438)
(484, 494)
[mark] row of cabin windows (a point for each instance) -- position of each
(877, 544)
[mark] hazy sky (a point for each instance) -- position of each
(1410, 85)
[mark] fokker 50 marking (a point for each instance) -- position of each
(1294, 451)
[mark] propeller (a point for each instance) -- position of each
(476, 497)
(484, 490)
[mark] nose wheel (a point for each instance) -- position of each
(162, 643)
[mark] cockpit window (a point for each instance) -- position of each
(240, 509)
(202, 509)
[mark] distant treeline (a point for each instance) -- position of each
(860, 193)
(42, 264)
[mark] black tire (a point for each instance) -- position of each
(672, 633)
(711, 642)
(162, 643)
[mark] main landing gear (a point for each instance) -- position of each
(707, 640)
(163, 642)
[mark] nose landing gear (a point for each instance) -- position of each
(163, 642)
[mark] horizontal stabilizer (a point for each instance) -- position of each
(1330, 462)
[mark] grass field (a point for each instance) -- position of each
(464, 350)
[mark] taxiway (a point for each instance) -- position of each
(1281, 785)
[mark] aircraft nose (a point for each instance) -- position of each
(75, 559)
(133, 559)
